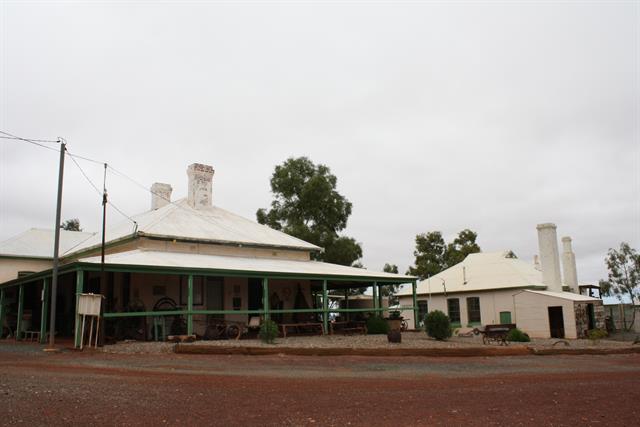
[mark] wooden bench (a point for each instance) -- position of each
(347, 328)
(313, 326)
(496, 333)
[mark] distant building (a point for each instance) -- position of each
(496, 288)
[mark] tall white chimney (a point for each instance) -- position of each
(200, 184)
(569, 270)
(549, 256)
(160, 195)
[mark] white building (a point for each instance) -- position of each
(495, 288)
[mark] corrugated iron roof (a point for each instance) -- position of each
(178, 220)
(480, 272)
(564, 295)
(38, 243)
(141, 257)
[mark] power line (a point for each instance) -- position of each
(11, 136)
(95, 187)
(29, 141)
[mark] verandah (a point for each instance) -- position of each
(324, 312)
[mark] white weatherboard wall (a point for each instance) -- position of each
(532, 314)
(491, 304)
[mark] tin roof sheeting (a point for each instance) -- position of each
(178, 220)
(147, 258)
(38, 243)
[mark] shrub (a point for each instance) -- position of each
(268, 331)
(516, 335)
(438, 325)
(377, 325)
(596, 334)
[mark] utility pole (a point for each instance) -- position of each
(103, 286)
(56, 248)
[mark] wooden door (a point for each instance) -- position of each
(556, 322)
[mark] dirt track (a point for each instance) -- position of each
(73, 388)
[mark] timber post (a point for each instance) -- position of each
(1, 311)
(79, 290)
(190, 304)
(20, 312)
(375, 299)
(415, 305)
(325, 307)
(265, 298)
(44, 312)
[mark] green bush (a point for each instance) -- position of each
(377, 325)
(437, 325)
(516, 335)
(268, 331)
(597, 334)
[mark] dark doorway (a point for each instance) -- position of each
(591, 316)
(556, 322)
(255, 294)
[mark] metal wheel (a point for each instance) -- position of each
(233, 331)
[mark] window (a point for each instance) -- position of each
(453, 307)
(423, 309)
(473, 310)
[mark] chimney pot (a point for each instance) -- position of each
(200, 185)
(160, 195)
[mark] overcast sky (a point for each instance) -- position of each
(494, 117)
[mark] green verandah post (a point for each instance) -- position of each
(45, 311)
(190, 304)
(1, 310)
(325, 307)
(415, 305)
(79, 290)
(20, 313)
(375, 299)
(265, 298)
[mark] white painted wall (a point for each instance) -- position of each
(9, 267)
(532, 315)
(491, 304)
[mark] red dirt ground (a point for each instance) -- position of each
(101, 389)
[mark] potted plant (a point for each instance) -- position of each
(394, 320)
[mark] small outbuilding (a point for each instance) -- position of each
(498, 288)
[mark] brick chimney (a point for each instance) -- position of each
(549, 256)
(160, 195)
(569, 265)
(200, 184)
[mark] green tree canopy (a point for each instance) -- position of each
(307, 205)
(624, 275)
(390, 290)
(433, 255)
(71, 225)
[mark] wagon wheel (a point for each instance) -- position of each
(485, 340)
(233, 331)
